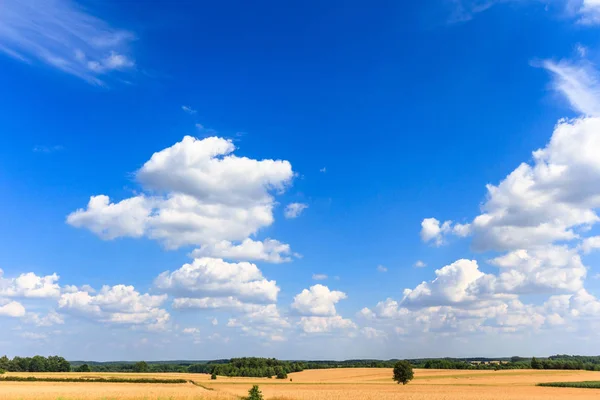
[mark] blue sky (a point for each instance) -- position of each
(299, 180)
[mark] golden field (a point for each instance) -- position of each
(335, 384)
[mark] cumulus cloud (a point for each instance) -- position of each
(213, 277)
(590, 244)
(269, 250)
(120, 305)
(325, 324)
(29, 285)
(294, 210)
(62, 35)
(434, 231)
(452, 285)
(317, 301)
(199, 193)
(11, 309)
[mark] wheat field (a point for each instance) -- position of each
(335, 384)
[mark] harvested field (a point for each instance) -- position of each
(336, 384)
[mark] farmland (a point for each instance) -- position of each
(346, 384)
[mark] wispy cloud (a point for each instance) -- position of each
(578, 83)
(47, 149)
(381, 268)
(189, 110)
(64, 36)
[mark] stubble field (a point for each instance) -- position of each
(335, 384)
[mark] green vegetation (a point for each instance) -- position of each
(254, 393)
(94, 380)
(35, 364)
(83, 368)
(249, 366)
(582, 385)
(270, 367)
(2, 371)
(141, 366)
(281, 375)
(403, 372)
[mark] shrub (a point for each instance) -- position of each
(254, 393)
(281, 375)
(213, 376)
(403, 372)
(2, 371)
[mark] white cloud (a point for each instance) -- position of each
(420, 264)
(543, 203)
(29, 285)
(202, 194)
(451, 285)
(538, 270)
(214, 322)
(323, 170)
(191, 331)
(11, 309)
(129, 217)
(269, 250)
(293, 210)
(325, 324)
(434, 231)
(578, 82)
(372, 333)
(365, 313)
(213, 277)
(62, 35)
(381, 268)
(590, 244)
(317, 301)
(52, 318)
(189, 110)
(118, 304)
(589, 11)
(33, 336)
(319, 277)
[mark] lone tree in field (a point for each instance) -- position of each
(403, 372)
(254, 393)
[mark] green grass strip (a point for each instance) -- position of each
(580, 385)
(88, 380)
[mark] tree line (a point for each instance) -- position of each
(271, 367)
(35, 364)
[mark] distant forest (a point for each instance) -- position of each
(270, 367)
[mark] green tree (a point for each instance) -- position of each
(4, 363)
(403, 372)
(281, 375)
(37, 364)
(254, 393)
(535, 364)
(213, 376)
(83, 368)
(141, 366)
